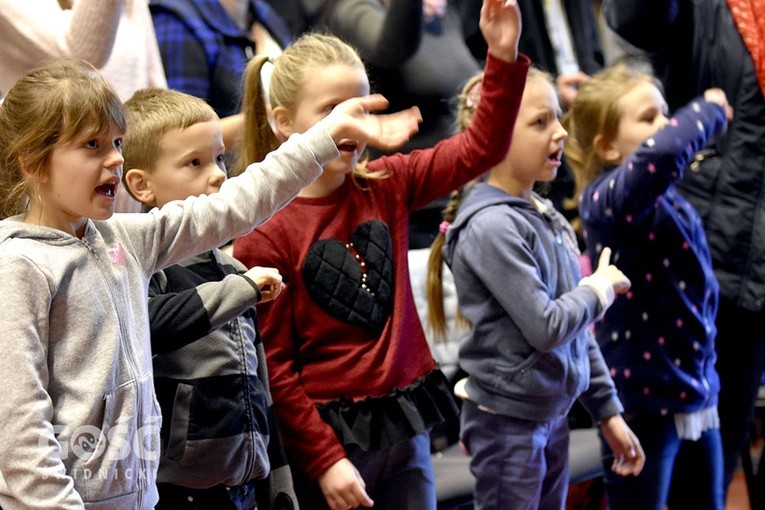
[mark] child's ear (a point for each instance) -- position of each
(137, 182)
(606, 150)
(25, 162)
(282, 122)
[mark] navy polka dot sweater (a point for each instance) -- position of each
(658, 339)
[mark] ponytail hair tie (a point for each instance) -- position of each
(444, 226)
(473, 95)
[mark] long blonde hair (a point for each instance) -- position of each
(291, 71)
(61, 101)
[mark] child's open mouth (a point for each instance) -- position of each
(555, 156)
(108, 189)
(347, 146)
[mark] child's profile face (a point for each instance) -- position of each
(537, 145)
(80, 183)
(643, 113)
(190, 163)
(323, 89)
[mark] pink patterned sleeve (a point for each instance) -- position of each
(90, 33)
(34, 30)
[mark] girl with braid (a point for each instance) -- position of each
(531, 353)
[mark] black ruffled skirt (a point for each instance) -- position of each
(377, 423)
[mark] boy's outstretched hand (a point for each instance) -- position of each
(500, 25)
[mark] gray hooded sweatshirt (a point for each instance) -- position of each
(79, 418)
(517, 274)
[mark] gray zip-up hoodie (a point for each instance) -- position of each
(517, 274)
(79, 421)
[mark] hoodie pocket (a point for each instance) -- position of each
(511, 371)
(125, 457)
(179, 425)
(541, 376)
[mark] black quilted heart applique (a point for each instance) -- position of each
(353, 281)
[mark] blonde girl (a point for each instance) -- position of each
(531, 353)
(354, 384)
(658, 339)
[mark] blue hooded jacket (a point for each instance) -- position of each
(516, 269)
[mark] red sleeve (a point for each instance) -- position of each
(432, 173)
(312, 443)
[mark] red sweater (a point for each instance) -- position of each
(316, 351)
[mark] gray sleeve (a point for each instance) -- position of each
(600, 399)
(32, 471)
(385, 36)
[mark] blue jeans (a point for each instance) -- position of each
(397, 478)
(678, 472)
(518, 464)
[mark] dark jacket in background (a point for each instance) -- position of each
(535, 41)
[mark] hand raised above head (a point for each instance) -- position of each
(500, 25)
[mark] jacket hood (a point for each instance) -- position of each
(480, 197)
(15, 227)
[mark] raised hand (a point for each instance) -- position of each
(718, 96)
(500, 25)
(618, 280)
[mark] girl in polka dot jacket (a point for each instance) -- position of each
(658, 339)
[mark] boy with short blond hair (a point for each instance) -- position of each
(220, 445)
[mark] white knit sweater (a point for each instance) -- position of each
(116, 36)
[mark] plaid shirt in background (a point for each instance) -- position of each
(203, 51)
